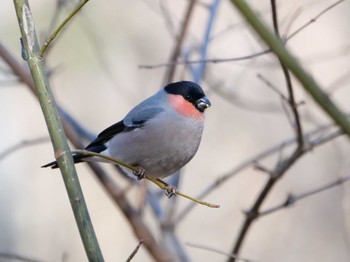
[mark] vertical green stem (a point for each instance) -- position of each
(30, 51)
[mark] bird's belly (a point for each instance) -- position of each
(160, 151)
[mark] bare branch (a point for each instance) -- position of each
(23, 144)
(312, 143)
(218, 251)
(169, 74)
(292, 199)
(60, 27)
(291, 100)
(135, 251)
(10, 256)
(246, 57)
(313, 20)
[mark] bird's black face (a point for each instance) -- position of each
(191, 92)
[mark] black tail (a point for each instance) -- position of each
(79, 158)
(76, 158)
(52, 164)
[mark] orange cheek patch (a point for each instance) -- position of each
(185, 108)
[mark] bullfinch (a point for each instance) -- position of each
(159, 136)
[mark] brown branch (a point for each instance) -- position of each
(311, 144)
(23, 144)
(253, 212)
(135, 251)
(292, 199)
(291, 100)
(313, 20)
(9, 256)
(282, 166)
(218, 252)
(246, 57)
(169, 74)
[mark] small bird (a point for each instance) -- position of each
(159, 136)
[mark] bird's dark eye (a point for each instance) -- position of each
(188, 97)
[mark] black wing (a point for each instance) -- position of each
(135, 119)
(106, 135)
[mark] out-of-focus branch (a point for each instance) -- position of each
(246, 57)
(213, 60)
(291, 100)
(22, 144)
(288, 62)
(211, 249)
(313, 20)
(292, 199)
(9, 256)
(198, 72)
(169, 74)
(309, 84)
(311, 142)
(135, 251)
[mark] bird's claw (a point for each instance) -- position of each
(141, 174)
(171, 191)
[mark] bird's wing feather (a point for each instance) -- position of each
(138, 116)
(107, 134)
(135, 119)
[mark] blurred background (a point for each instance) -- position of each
(97, 73)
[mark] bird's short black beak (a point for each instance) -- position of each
(203, 103)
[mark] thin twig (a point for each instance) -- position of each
(198, 72)
(313, 20)
(158, 182)
(282, 166)
(246, 57)
(213, 60)
(59, 28)
(9, 256)
(308, 82)
(312, 143)
(272, 87)
(169, 74)
(135, 251)
(292, 199)
(23, 144)
(218, 251)
(291, 100)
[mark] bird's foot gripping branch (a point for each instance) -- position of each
(170, 190)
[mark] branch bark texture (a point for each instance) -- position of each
(30, 52)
